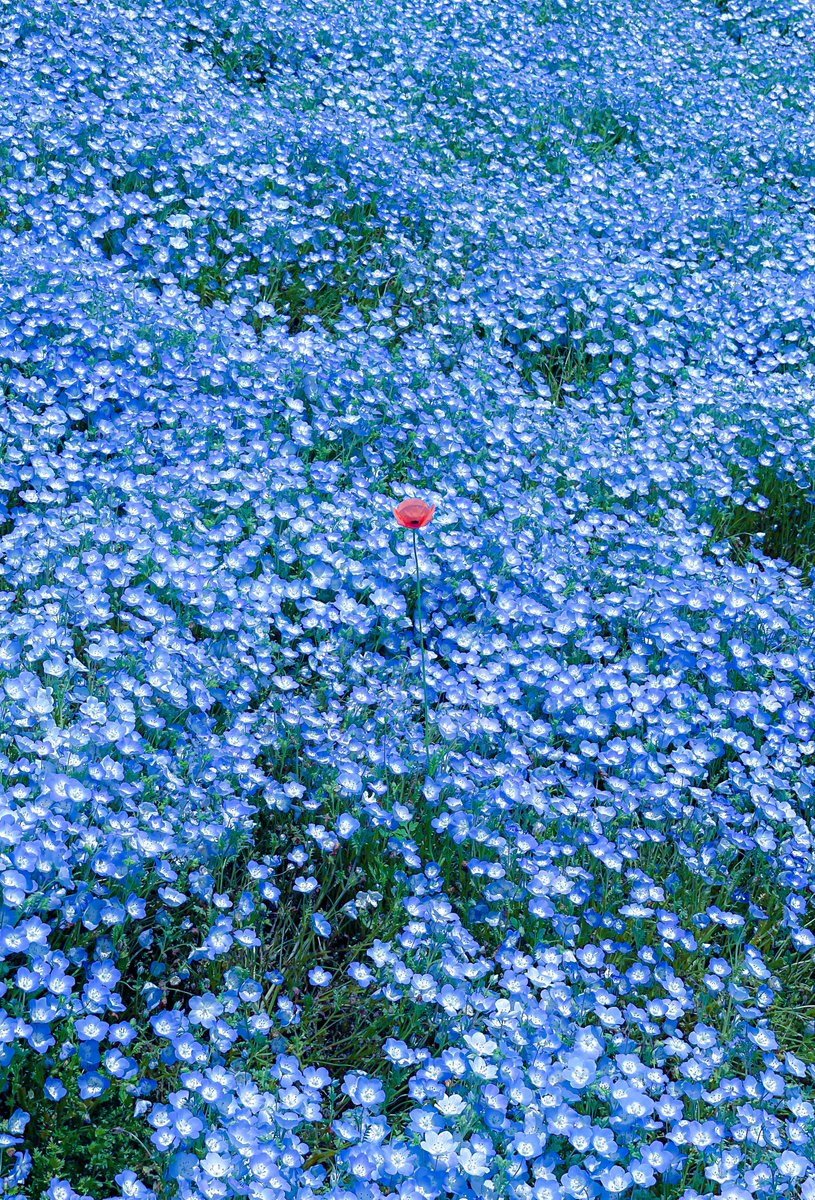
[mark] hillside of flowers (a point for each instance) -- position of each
(335, 869)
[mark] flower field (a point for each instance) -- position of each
(463, 852)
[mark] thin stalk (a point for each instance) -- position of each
(421, 644)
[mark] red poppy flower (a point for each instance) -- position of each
(414, 514)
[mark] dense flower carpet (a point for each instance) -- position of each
(272, 926)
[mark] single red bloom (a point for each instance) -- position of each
(414, 514)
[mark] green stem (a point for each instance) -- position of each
(421, 645)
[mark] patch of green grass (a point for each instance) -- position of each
(343, 1030)
(316, 283)
(251, 62)
(86, 1141)
(561, 363)
(241, 53)
(602, 130)
(783, 517)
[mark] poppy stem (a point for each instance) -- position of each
(421, 644)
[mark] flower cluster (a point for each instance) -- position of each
(282, 914)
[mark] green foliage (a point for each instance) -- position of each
(86, 1141)
(781, 522)
(603, 130)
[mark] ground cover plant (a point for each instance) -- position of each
(315, 884)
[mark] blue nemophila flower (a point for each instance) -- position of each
(362, 1090)
(321, 925)
(60, 1189)
(319, 977)
(347, 825)
(92, 1085)
(204, 1010)
(92, 1029)
(55, 1089)
(131, 1187)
